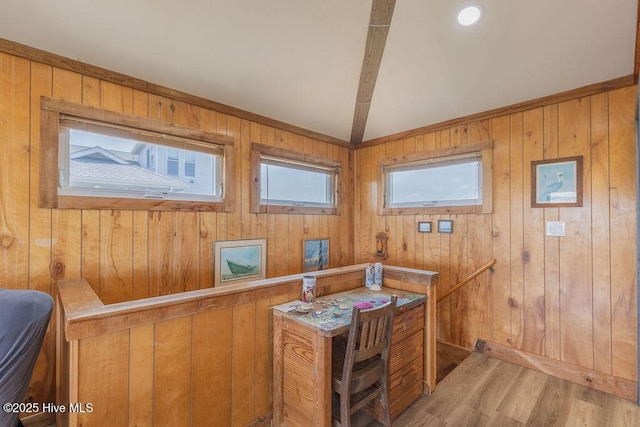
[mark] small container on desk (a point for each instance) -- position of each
(308, 288)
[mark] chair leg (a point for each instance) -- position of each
(345, 411)
(386, 413)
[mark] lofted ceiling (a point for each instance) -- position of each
(300, 62)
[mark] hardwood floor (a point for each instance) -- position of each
(486, 391)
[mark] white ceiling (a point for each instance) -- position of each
(299, 61)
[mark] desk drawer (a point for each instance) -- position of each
(405, 351)
(405, 387)
(407, 323)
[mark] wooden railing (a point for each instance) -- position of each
(467, 280)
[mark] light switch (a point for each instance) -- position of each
(555, 228)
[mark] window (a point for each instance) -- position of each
(289, 182)
(190, 164)
(118, 162)
(455, 180)
(173, 162)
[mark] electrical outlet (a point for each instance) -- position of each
(555, 228)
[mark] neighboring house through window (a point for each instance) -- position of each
(173, 162)
(129, 162)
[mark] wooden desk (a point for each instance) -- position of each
(302, 351)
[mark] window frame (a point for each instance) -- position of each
(484, 149)
(53, 111)
(259, 150)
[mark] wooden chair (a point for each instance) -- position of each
(361, 367)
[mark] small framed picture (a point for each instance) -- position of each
(316, 254)
(556, 183)
(445, 226)
(424, 227)
(238, 261)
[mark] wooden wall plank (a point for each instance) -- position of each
(234, 220)
(243, 365)
(221, 218)
(501, 324)
(600, 248)
(379, 222)
(141, 348)
(251, 132)
(478, 295)
(42, 384)
(551, 247)
(212, 355)
(185, 251)
(14, 151)
(264, 363)
(172, 383)
(458, 263)
(516, 298)
(576, 291)
(445, 282)
(116, 238)
(622, 227)
(533, 242)
(160, 229)
(110, 400)
(294, 249)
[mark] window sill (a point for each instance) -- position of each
(75, 202)
(436, 210)
(302, 210)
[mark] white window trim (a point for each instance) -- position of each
(485, 149)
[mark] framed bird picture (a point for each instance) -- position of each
(556, 183)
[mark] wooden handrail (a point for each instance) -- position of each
(467, 280)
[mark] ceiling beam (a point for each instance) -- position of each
(379, 22)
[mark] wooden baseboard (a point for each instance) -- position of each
(452, 350)
(41, 419)
(447, 353)
(620, 387)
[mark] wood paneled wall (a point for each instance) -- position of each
(127, 255)
(569, 298)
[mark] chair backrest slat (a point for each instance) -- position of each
(370, 333)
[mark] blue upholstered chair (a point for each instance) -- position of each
(24, 317)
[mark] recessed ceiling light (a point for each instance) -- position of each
(470, 15)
